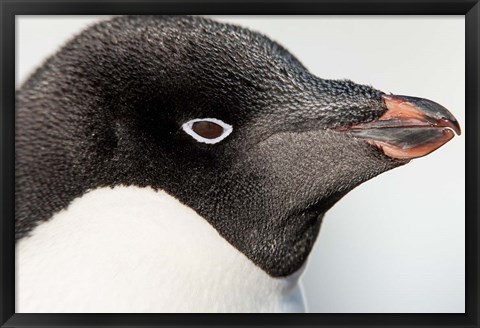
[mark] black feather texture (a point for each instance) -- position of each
(107, 110)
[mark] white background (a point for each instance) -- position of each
(396, 243)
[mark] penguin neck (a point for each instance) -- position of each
(131, 249)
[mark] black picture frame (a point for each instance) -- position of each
(10, 8)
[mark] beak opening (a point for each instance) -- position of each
(411, 127)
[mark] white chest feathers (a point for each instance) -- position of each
(132, 249)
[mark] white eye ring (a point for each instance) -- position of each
(227, 129)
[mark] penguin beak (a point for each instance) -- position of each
(410, 128)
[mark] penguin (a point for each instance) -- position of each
(179, 164)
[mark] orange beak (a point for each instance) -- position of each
(410, 128)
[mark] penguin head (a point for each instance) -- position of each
(228, 122)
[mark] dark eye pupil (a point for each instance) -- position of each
(207, 129)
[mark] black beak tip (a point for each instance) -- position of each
(453, 124)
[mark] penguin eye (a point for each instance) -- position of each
(207, 130)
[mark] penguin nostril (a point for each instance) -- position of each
(207, 130)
